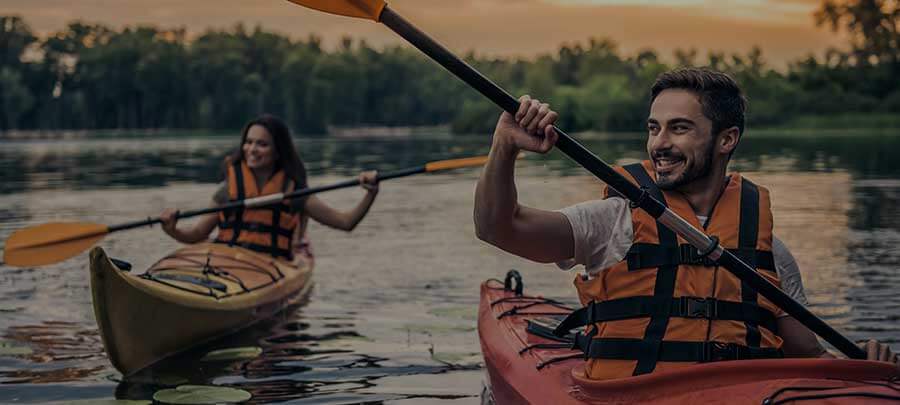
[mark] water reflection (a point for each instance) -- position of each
(302, 358)
(393, 315)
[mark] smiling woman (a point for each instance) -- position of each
(266, 163)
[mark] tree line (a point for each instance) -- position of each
(90, 76)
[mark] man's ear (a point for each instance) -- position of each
(728, 140)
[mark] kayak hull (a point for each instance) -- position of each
(514, 378)
(145, 319)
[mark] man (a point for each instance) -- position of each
(652, 301)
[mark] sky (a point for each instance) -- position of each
(784, 29)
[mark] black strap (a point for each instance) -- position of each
(258, 227)
(648, 255)
(545, 327)
(241, 195)
(682, 307)
(276, 222)
(747, 239)
(187, 278)
(671, 351)
(277, 252)
(664, 289)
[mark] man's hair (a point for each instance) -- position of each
(720, 96)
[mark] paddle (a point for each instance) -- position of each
(54, 242)
(378, 11)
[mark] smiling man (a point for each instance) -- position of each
(652, 303)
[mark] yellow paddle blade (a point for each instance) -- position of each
(459, 163)
(369, 9)
(51, 243)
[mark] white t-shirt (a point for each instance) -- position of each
(603, 234)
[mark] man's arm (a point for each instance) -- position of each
(543, 236)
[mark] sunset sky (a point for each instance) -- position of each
(784, 29)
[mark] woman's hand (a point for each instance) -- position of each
(169, 218)
(369, 181)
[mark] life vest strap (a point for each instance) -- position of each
(682, 307)
(238, 217)
(648, 255)
(670, 351)
(258, 227)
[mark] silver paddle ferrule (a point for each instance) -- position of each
(691, 234)
(264, 200)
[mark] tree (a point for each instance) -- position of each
(872, 24)
(15, 98)
(15, 38)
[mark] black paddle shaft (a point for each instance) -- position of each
(577, 152)
(294, 194)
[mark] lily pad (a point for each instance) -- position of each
(453, 357)
(467, 312)
(105, 402)
(201, 394)
(234, 353)
(8, 349)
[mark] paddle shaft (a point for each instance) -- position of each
(577, 152)
(244, 203)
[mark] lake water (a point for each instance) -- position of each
(392, 315)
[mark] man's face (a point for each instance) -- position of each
(680, 142)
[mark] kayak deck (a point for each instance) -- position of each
(512, 357)
(194, 295)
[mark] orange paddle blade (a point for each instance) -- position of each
(369, 9)
(455, 163)
(51, 243)
(459, 163)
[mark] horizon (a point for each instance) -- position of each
(783, 30)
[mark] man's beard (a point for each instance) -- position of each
(690, 173)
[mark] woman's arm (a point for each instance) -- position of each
(197, 233)
(345, 220)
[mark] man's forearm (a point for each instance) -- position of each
(495, 196)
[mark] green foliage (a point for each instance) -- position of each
(95, 77)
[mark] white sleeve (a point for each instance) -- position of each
(602, 232)
(788, 272)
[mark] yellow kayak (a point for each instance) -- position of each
(194, 295)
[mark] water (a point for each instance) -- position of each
(391, 318)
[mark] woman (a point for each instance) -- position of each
(267, 163)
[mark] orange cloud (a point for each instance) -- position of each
(493, 27)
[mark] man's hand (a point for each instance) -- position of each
(879, 352)
(530, 129)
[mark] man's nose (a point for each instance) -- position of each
(661, 141)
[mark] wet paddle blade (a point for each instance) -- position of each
(455, 163)
(369, 9)
(51, 243)
(459, 163)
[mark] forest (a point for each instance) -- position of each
(90, 76)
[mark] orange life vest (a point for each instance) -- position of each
(663, 306)
(265, 229)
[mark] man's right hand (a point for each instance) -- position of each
(531, 129)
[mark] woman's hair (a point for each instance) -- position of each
(287, 160)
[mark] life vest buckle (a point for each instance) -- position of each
(693, 307)
(717, 351)
(690, 256)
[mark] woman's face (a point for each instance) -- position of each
(259, 149)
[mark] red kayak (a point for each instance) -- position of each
(525, 368)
